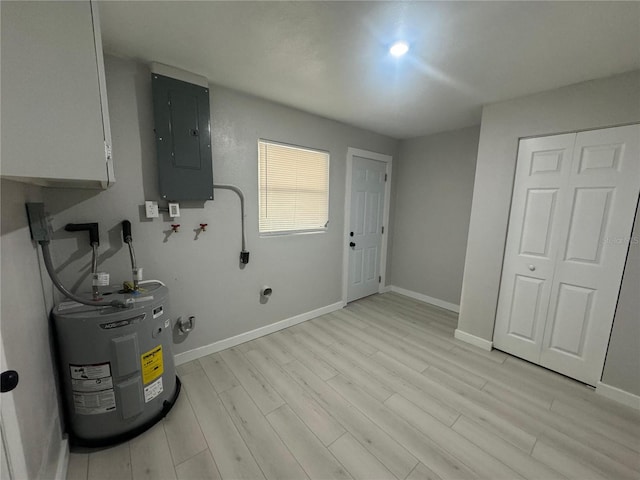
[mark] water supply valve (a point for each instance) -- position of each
(175, 227)
(203, 227)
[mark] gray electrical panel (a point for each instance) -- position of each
(183, 139)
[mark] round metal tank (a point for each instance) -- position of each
(115, 365)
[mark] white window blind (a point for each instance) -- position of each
(293, 188)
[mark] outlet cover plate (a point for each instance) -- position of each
(151, 209)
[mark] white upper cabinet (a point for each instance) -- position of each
(55, 120)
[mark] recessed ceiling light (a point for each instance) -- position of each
(398, 49)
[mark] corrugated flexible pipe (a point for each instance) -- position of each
(46, 255)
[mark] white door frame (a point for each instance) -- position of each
(387, 159)
(11, 437)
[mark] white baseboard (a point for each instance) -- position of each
(63, 460)
(199, 352)
(385, 289)
(425, 298)
(618, 395)
(473, 340)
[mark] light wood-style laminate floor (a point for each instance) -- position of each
(378, 390)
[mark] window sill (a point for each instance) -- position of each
(291, 232)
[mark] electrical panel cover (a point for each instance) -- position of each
(183, 139)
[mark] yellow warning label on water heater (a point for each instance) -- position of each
(152, 366)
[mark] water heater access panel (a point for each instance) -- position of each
(183, 139)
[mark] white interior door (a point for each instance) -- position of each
(365, 240)
(566, 248)
(543, 167)
(602, 197)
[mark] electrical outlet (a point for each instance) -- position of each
(151, 209)
(174, 210)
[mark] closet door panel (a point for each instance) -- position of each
(571, 320)
(542, 171)
(588, 224)
(603, 188)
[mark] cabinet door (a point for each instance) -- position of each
(52, 123)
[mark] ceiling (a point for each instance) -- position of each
(331, 58)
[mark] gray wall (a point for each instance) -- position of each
(26, 301)
(434, 176)
(594, 104)
(203, 272)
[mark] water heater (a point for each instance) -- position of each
(115, 365)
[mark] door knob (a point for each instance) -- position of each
(352, 244)
(532, 267)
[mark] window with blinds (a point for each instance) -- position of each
(293, 188)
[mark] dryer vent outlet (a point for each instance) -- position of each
(185, 326)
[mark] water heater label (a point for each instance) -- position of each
(153, 390)
(152, 365)
(91, 385)
(92, 388)
(94, 403)
(89, 372)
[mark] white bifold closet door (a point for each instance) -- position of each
(572, 213)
